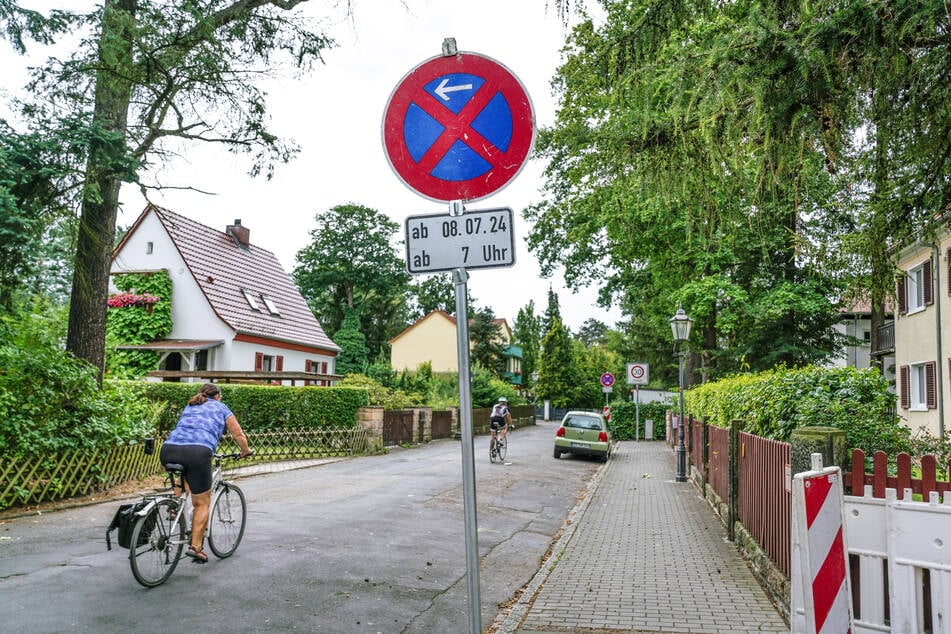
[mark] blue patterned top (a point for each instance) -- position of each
(201, 424)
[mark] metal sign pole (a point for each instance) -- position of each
(459, 278)
(637, 413)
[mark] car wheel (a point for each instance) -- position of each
(557, 453)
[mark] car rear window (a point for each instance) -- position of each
(582, 422)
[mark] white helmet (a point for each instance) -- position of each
(502, 399)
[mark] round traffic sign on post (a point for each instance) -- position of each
(637, 374)
(458, 127)
(607, 379)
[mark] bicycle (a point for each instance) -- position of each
(497, 445)
(163, 526)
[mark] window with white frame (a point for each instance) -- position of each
(918, 387)
(915, 289)
(917, 382)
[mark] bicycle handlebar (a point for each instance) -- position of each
(231, 456)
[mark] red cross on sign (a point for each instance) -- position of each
(458, 127)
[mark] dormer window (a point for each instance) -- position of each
(271, 306)
(253, 303)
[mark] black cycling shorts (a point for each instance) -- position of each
(196, 459)
(497, 424)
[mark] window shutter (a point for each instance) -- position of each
(930, 386)
(323, 367)
(904, 386)
(307, 365)
(902, 296)
(927, 281)
(947, 256)
(258, 361)
(280, 363)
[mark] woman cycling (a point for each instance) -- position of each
(192, 444)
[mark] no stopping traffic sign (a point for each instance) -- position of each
(458, 127)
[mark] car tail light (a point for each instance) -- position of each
(603, 436)
(561, 432)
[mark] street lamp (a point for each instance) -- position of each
(680, 326)
(534, 386)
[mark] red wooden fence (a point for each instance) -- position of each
(879, 479)
(764, 503)
(718, 468)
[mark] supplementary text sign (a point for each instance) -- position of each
(475, 240)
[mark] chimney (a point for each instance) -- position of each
(241, 235)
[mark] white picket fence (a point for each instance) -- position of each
(903, 554)
(910, 540)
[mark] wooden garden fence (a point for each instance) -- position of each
(27, 480)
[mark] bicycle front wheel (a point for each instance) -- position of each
(501, 446)
(156, 545)
(226, 521)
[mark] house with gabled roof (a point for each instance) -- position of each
(432, 338)
(234, 308)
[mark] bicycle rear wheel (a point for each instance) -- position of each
(501, 446)
(226, 521)
(156, 545)
(493, 449)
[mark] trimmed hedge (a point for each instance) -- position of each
(262, 407)
(624, 418)
(772, 404)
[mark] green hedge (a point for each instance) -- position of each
(772, 404)
(624, 418)
(262, 407)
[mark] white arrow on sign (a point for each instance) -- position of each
(443, 90)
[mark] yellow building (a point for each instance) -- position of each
(923, 333)
(433, 338)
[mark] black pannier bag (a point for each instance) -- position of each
(124, 521)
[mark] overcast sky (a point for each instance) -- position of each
(335, 116)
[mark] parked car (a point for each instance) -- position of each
(584, 434)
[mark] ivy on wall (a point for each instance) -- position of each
(140, 313)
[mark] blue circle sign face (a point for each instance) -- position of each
(458, 127)
(607, 379)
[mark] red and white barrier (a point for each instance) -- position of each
(820, 598)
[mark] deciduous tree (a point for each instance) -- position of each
(152, 71)
(351, 262)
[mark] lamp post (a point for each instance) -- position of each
(680, 326)
(534, 386)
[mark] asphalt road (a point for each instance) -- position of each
(373, 544)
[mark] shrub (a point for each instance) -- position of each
(49, 400)
(624, 416)
(772, 404)
(260, 407)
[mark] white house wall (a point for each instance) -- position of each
(854, 356)
(192, 316)
(243, 354)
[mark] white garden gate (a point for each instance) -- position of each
(912, 541)
(901, 570)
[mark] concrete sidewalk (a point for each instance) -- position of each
(643, 553)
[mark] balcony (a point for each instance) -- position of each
(886, 340)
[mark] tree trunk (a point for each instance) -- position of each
(86, 337)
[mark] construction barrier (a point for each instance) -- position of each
(820, 597)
